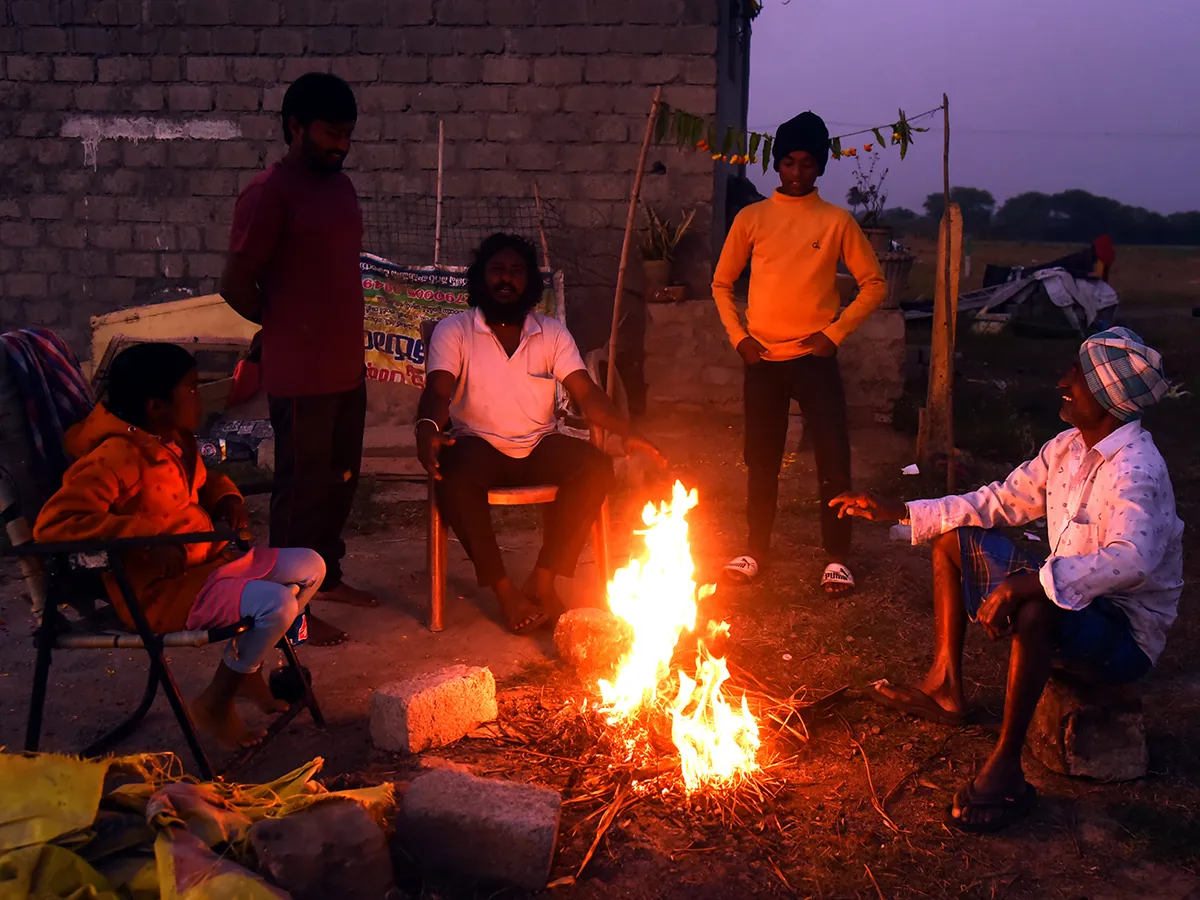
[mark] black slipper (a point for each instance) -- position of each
(1011, 808)
(920, 705)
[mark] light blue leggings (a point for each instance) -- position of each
(274, 602)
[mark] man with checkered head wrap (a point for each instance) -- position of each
(1098, 604)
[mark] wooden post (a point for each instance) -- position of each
(937, 421)
(610, 386)
(437, 225)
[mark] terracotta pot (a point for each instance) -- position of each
(880, 238)
(657, 274)
(896, 269)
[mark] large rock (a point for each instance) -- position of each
(333, 848)
(592, 641)
(432, 710)
(1089, 731)
(480, 830)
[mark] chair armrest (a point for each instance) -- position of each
(118, 545)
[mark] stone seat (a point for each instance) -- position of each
(1089, 730)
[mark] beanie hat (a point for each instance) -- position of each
(805, 132)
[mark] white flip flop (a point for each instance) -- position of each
(742, 570)
(837, 574)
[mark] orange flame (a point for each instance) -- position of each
(658, 596)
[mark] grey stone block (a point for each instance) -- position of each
(1089, 731)
(480, 829)
(432, 710)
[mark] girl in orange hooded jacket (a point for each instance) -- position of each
(138, 474)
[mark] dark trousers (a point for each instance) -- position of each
(816, 384)
(317, 440)
(470, 467)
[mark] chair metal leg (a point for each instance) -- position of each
(158, 668)
(37, 698)
(310, 698)
(437, 541)
(129, 726)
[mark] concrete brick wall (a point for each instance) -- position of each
(557, 89)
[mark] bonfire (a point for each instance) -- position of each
(657, 595)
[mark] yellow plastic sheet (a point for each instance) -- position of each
(45, 872)
(46, 797)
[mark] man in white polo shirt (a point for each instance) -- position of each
(487, 420)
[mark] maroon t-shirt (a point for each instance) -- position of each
(305, 230)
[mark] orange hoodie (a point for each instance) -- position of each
(126, 484)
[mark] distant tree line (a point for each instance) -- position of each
(1068, 217)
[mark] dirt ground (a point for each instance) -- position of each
(858, 813)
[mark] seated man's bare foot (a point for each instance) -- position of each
(539, 588)
(934, 704)
(324, 634)
(351, 596)
(520, 615)
(254, 688)
(222, 723)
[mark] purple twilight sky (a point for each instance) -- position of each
(1045, 95)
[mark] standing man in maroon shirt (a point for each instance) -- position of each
(294, 268)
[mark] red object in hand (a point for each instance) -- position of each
(247, 377)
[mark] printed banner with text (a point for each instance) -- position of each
(398, 299)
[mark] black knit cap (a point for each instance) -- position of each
(142, 373)
(805, 132)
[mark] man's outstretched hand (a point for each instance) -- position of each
(430, 442)
(637, 444)
(869, 506)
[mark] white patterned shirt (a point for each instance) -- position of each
(1110, 513)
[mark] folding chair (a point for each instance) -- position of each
(438, 537)
(68, 575)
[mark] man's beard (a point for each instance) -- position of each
(497, 313)
(320, 160)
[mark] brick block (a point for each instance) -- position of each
(166, 68)
(96, 97)
(359, 12)
(485, 155)
(563, 12)
(135, 265)
(255, 70)
(432, 710)
(238, 97)
(691, 40)
(478, 41)
(152, 238)
(119, 291)
(510, 128)
(700, 12)
(585, 39)
(456, 70)
(205, 265)
(606, 12)
(609, 69)
(89, 263)
(232, 40)
(586, 158)
(329, 39)
(512, 12)
(281, 41)
(51, 96)
(405, 69)
(462, 127)
(256, 12)
(45, 259)
(95, 209)
(591, 98)
(384, 99)
(436, 99)
(172, 265)
(239, 155)
(535, 99)
(601, 187)
(37, 125)
(642, 40)
(539, 157)
(71, 237)
(699, 100)
(10, 209)
(610, 129)
(480, 829)
(506, 70)
(213, 184)
(356, 68)
(48, 207)
(531, 41)
(308, 12)
(26, 284)
(657, 70)
(207, 12)
(112, 237)
(272, 102)
(93, 40)
(489, 98)
(407, 12)
(165, 12)
(19, 234)
(660, 12)
(207, 68)
(462, 12)
(29, 68)
(190, 237)
(44, 40)
(32, 12)
(558, 70)
(148, 97)
(294, 68)
(189, 97)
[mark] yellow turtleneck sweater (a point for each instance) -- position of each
(793, 245)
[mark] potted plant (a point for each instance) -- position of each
(868, 193)
(659, 241)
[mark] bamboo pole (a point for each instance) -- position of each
(610, 386)
(437, 226)
(953, 255)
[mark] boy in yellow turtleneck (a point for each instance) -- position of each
(789, 341)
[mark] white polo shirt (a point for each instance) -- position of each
(507, 401)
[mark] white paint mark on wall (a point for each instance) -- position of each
(94, 129)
